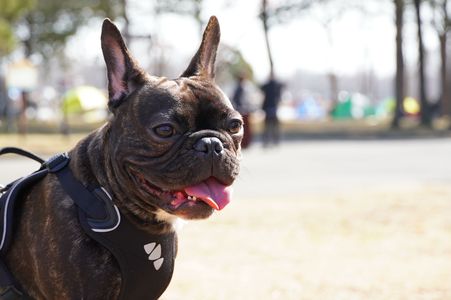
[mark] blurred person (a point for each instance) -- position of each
(22, 123)
(3, 101)
(241, 103)
(272, 90)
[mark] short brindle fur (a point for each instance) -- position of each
(146, 151)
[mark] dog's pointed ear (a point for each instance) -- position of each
(203, 62)
(124, 74)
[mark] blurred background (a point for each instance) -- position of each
(345, 187)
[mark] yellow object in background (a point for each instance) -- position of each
(411, 106)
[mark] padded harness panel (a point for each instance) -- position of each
(146, 260)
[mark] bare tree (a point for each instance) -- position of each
(446, 89)
(424, 103)
(264, 18)
(326, 19)
(192, 8)
(285, 11)
(441, 23)
(399, 81)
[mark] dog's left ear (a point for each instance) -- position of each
(203, 62)
(124, 74)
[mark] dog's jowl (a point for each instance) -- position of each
(99, 221)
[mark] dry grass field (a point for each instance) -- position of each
(44, 144)
(365, 245)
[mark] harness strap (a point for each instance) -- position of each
(146, 260)
(11, 293)
(8, 285)
(84, 199)
(22, 152)
(143, 276)
(7, 210)
(10, 289)
(18, 151)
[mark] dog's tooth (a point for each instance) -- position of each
(191, 198)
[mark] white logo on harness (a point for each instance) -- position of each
(154, 252)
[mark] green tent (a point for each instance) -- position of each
(83, 99)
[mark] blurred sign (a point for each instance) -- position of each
(22, 75)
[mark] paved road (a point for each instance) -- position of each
(344, 166)
(310, 167)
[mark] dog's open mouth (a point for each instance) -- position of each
(211, 192)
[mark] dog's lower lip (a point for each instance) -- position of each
(152, 189)
(175, 199)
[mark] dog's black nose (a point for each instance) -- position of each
(209, 145)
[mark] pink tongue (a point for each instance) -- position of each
(211, 192)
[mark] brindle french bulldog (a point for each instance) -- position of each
(171, 149)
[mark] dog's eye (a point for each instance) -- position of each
(235, 126)
(164, 131)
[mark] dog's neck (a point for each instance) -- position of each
(90, 162)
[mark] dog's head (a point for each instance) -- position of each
(175, 144)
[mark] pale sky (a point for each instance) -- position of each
(359, 41)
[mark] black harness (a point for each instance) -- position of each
(146, 260)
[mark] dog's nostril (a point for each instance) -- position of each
(209, 145)
(217, 145)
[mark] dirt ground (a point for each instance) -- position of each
(370, 245)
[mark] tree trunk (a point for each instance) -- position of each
(445, 96)
(425, 113)
(333, 80)
(4, 101)
(124, 15)
(445, 99)
(198, 17)
(264, 17)
(333, 88)
(399, 82)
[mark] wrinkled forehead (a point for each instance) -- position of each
(196, 92)
(199, 91)
(184, 96)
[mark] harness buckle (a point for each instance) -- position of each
(57, 162)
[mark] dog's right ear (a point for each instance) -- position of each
(124, 74)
